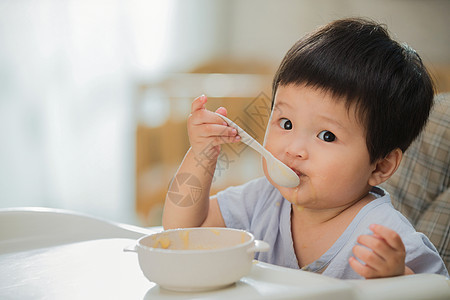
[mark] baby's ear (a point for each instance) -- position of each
(386, 167)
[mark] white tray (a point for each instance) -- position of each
(56, 254)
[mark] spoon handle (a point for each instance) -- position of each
(246, 138)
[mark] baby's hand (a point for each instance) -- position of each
(383, 254)
(208, 131)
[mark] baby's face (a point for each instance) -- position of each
(323, 142)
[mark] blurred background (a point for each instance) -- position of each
(94, 94)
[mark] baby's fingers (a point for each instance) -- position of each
(376, 244)
(383, 253)
(198, 103)
(218, 131)
(222, 111)
(390, 236)
(368, 256)
(363, 270)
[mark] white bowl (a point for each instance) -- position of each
(197, 259)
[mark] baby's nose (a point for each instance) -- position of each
(297, 149)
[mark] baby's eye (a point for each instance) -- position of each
(326, 136)
(286, 124)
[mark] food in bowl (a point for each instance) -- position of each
(195, 259)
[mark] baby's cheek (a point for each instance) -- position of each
(313, 191)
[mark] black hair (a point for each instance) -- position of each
(355, 59)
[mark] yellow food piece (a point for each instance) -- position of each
(184, 236)
(162, 242)
(215, 231)
(298, 207)
(243, 236)
(293, 197)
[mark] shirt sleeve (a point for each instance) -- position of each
(422, 256)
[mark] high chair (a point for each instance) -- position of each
(420, 188)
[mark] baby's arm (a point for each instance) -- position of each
(384, 254)
(187, 202)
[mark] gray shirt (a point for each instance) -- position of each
(259, 208)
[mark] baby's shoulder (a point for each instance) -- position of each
(381, 211)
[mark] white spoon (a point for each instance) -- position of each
(278, 171)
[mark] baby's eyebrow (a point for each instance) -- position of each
(282, 104)
(333, 121)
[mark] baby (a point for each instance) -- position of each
(347, 102)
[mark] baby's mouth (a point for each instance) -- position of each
(299, 174)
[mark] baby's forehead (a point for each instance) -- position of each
(287, 98)
(288, 95)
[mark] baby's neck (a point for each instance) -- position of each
(317, 217)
